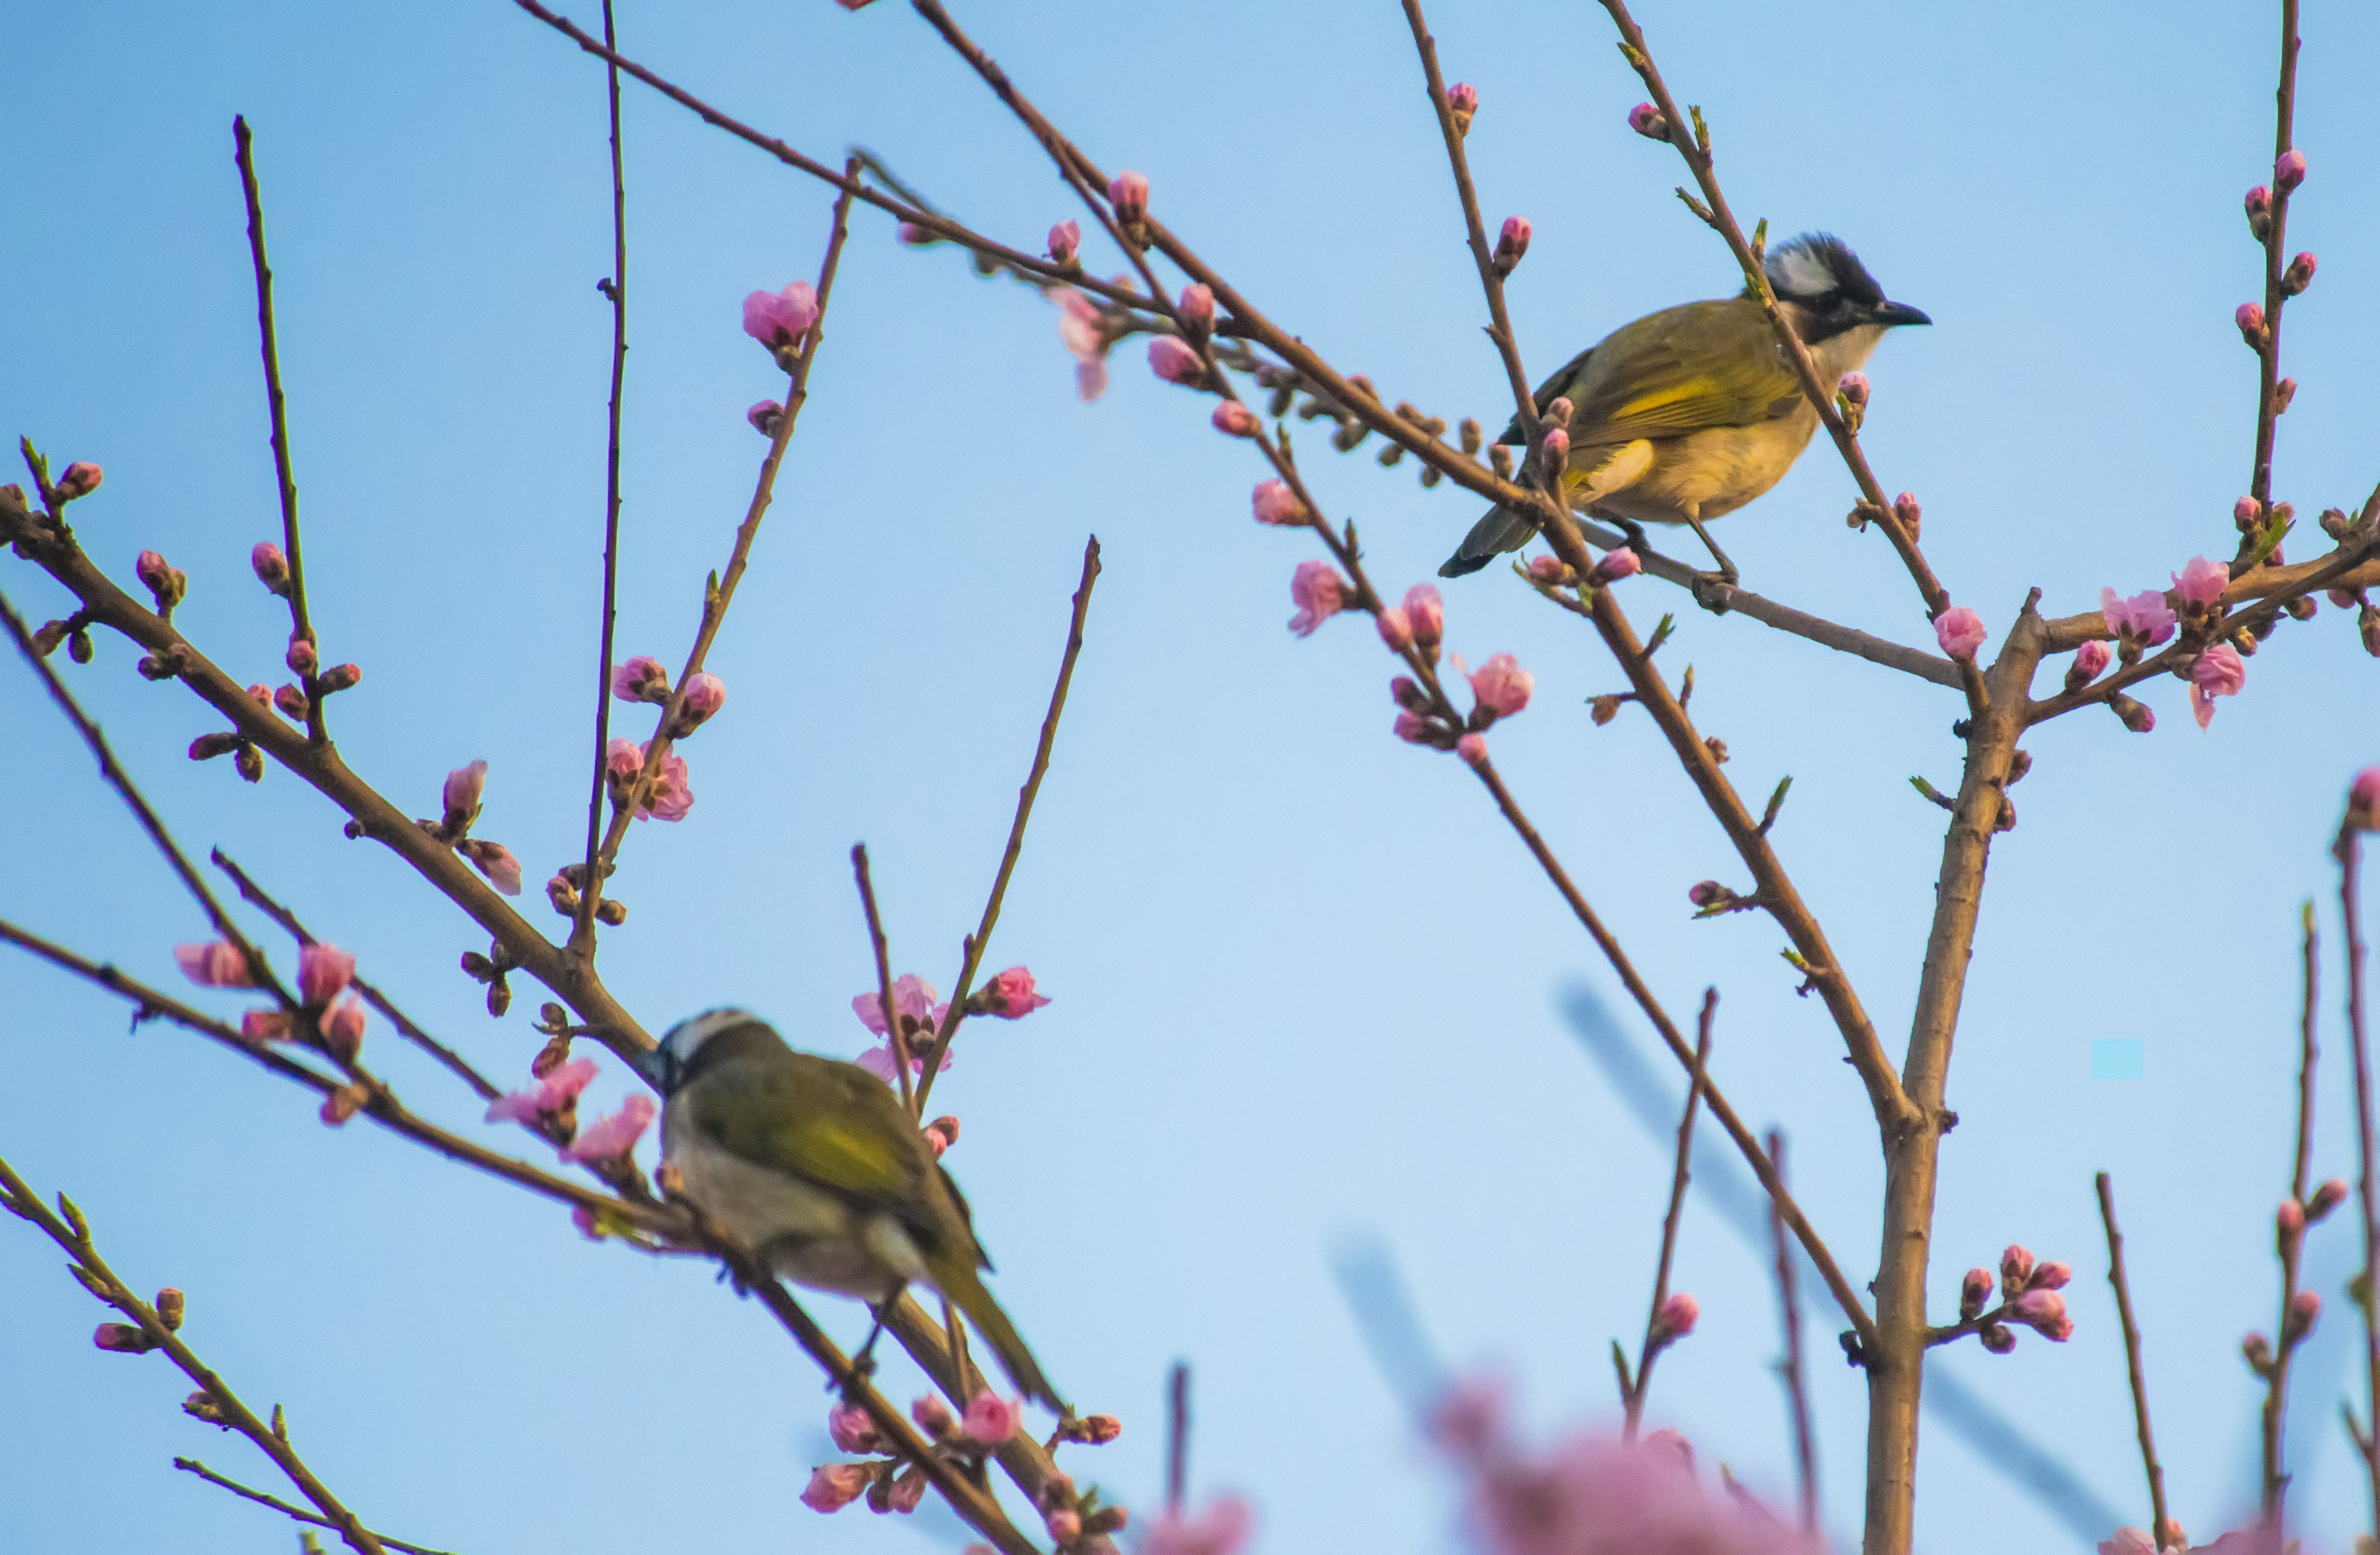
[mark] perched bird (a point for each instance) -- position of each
(1691, 412)
(814, 1165)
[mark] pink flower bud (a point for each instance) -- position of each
(292, 701)
(765, 416)
(1197, 309)
(2251, 320)
(622, 759)
(942, 1132)
(1319, 593)
(261, 695)
(2289, 171)
(1555, 453)
(1408, 695)
(323, 973)
(1235, 419)
(206, 747)
(1065, 241)
(1648, 121)
(301, 657)
(461, 796)
(264, 1026)
(214, 964)
(80, 480)
(1960, 632)
(991, 1419)
(1558, 412)
(1064, 1524)
(2247, 513)
(1427, 611)
(123, 1338)
(2331, 1194)
(2138, 719)
(1998, 1338)
(1472, 749)
(271, 567)
(932, 1415)
(915, 236)
(612, 1139)
(2016, 1268)
(705, 693)
(340, 677)
(1396, 629)
(853, 1429)
(2290, 1219)
(167, 583)
(781, 319)
(1009, 995)
(2284, 392)
(1511, 244)
(2054, 1275)
(835, 1486)
(2218, 672)
(495, 861)
(1975, 1291)
(1853, 388)
(1549, 570)
(343, 1029)
(1911, 517)
(2201, 582)
(1462, 103)
(2298, 276)
(1706, 893)
(2090, 661)
(1614, 566)
(2260, 213)
(1676, 1318)
(1500, 687)
(1276, 504)
(641, 680)
(171, 1303)
(2304, 1308)
(2039, 1308)
(908, 1490)
(1175, 362)
(1129, 195)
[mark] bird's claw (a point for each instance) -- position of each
(1714, 592)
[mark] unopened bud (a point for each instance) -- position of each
(1511, 244)
(765, 416)
(1395, 627)
(123, 1338)
(80, 480)
(1853, 388)
(2304, 1308)
(1615, 565)
(1129, 195)
(1472, 435)
(1998, 1338)
(1648, 121)
(206, 747)
(1559, 412)
(292, 701)
(167, 584)
(2298, 276)
(2136, 717)
(2016, 1267)
(2251, 320)
(2246, 514)
(1066, 240)
(1409, 695)
(340, 677)
(1676, 1319)
(47, 637)
(2260, 213)
(1197, 309)
(1911, 517)
(1975, 1291)
(931, 1413)
(1462, 103)
(1500, 459)
(500, 998)
(271, 567)
(2053, 1275)
(170, 1307)
(79, 646)
(559, 892)
(1427, 614)
(1100, 1430)
(1550, 570)
(2289, 171)
(1710, 894)
(2289, 1221)
(704, 694)
(2090, 661)
(1235, 419)
(1064, 1524)
(2258, 1351)
(301, 657)
(2329, 1196)
(611, 912)
(1555, 453)
(2284, 392)
(248, 763)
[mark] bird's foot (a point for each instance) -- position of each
(1714, 592)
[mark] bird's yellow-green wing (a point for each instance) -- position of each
(828, 1123)
(1706, 364)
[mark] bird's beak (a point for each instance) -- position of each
(1891, 313)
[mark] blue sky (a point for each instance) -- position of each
(1307, 986)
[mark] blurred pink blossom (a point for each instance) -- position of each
(2144, 620)
(1502, 687)
(1427, 614)
(343, 1029)
(551, 1096)
(323, 971)
(641, 680)
(1319, 593)
(1276, 504)
(1677, 1316)
(912, 996)
(779, 319)
(2090, 661)
(495, 861)
(264, 1026)
(1084, 333)
(1960, 632)
(1128, 192)
(670, 797)
(1472, 749)
(1221, 1529)
(1197, 307)
(2218, 672)
(853, 1429)
(2201, 582)
(1616, 564)
(611, 1138)
(1065, 241)
(1011, 994)
(835, 1486)
(991, 1419)
(215, 964)
(461, 795)
(1395, 628)
(1235, 420)
(1176, 362)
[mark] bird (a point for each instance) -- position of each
(815, 1165)
(1691, 412)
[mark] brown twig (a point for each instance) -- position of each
(1177, 1438)
(226, 1407)
(1683, 1173)
(2159, 1524)
(298, 1514)
(2268, 358)
(2350, 851)
(896, 1040)
(1790, 1369)
(2290, 1246)
(299, 625)
(456, 1063)
(590, 896)
(981, 938)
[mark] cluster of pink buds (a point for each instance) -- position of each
(459, 804)
(166, 584)
(2028, 1296)
(335, 1023)
(781, 320)
(1462, 106)
(665, 797)
(126, 1339)
(1510, 245)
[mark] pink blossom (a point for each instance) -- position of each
(343, 1029)
(622, 759)
(1501, 687)
(1235, 420)
(1276, 504)
(1511, 244)
(912, 997)
(495, 861)
(2143, 621)
(323, 971)
(1196, 310)
(611, 1138)
(2040, 1308)
(1011, 994)
(1175, 362)
(780, 319)
(1616, 564)
(214, 964)
(1427, 614)
(1647, 121)
(1472, 749)
(705, 693)
(670, 797)
(1084, 333)
(461, 795)
(1395, 627)
(556, 1094)
(641, 680)
(2218, 672)
(1221, 1529)
(1677, 1316)
(1319, 593)
(1064, 1524)
(2201, 582)
(835, 1486)
(271, 567)
(2289, 171)
(1462, 97)
(2129, 1541)
(766, 416)
(991, 1419)
(853, 1428)
(1595, 1495)
(1959, 631)
(80, 480)
(2090, 661)
(1467, 1421)
(1129, 194)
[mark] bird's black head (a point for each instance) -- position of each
(1833, 290)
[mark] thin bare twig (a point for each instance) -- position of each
(223, 1406)
(980, 939)
(298, 1514)
(1177, 1438)
(299, 625)
(1797, 1386)
(2290, 1244)
(2159, 1526)
(896, 1040)
(2269, 406)
(590, 896)
(1680, 1175)
(2350, 851)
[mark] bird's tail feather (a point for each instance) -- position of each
(1501, 530)
(968, 1292)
